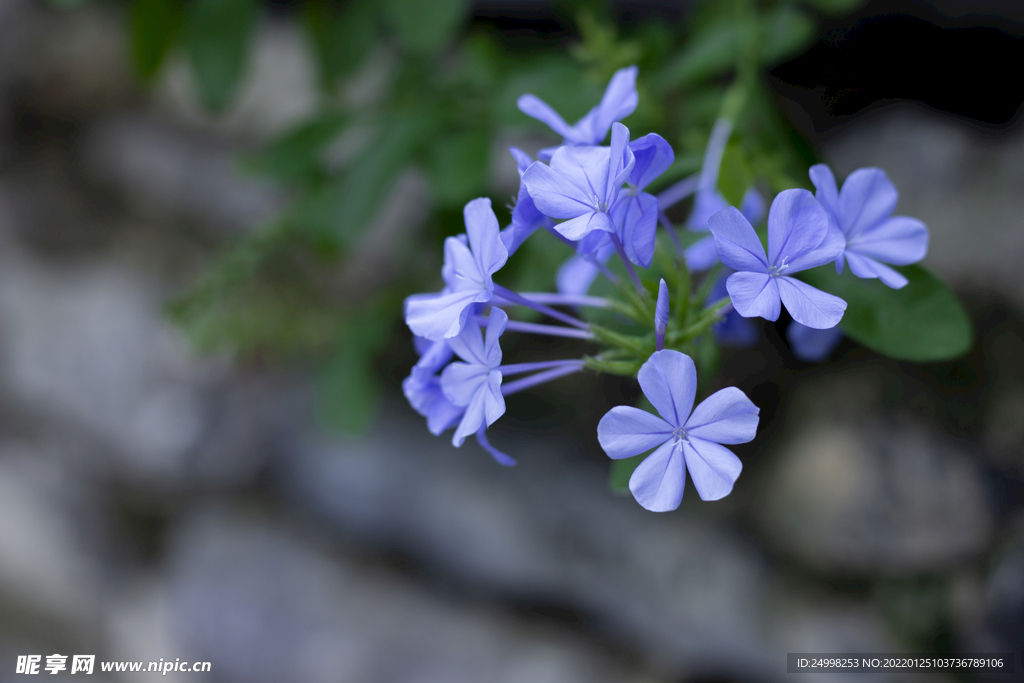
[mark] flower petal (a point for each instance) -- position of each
(619, 101)
(736, 242)
(867, 198)
(653, 157)
(554, 194)
(625, 431)
(754, 295)
(825, 184)
(576, 275)
(810, 306)
(472, 420)
(494, 402)
(797, 224)
(501, 458)
(469, 344)
(484, 235)
(752, 206)
(713, 468)
(658, 482)
(496, 324)
(578, 228)
(706, 204)
(865, 267)
(701, 255)
(621, 163)
(726, 416)
(461, 382)
(811, 345)
(899, 240)
(537, 108)
(638, 219)
(441, 316)
(669, 381)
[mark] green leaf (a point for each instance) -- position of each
(923, 322)
(218, 37)
(155, 25)
(427, 25)
(348, 392)
(459, 165)
(340, 213)
(341, 35)
(621, 471)
(295, 157)
(785, 32)
(707, 53)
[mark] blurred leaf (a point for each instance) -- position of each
(560, 83)
(784, 32)
(836, 6)
(601, 47)
(339, 213)
(735, 176)
(295, 157)
(341, 35)
(218, 37)
(348, 393)
(922, 322)
(459, 166)
(155, 25)
(427, 25)
(621, 471)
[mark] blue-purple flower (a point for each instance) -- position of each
(475, 384)
(635, 214)
(423, 390)
(618, 102)
(800, 236)
(468, 267)
(863, 211)
(582, 184)
(683, 440)
(525, 216)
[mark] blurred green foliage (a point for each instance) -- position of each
(447, 95)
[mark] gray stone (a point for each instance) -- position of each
(266, 604)
(163, 172)
(875, 497)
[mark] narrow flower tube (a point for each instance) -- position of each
(512, 297)
(540, 378)
(519, 368)
(537, 328)
(661, 316)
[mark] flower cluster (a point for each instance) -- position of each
(593, 198)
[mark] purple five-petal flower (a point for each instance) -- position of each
(582, 185)
(475, 385)
(800, 236)
(618, 102)
(683, 440)
(635, 214)
(863, 211)
(467, 275)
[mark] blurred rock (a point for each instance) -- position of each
(683, 588)
(879, 497)
(164, 172)
(278, 90)
(263, 604)
(962, 180)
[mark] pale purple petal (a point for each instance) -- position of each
(865, 267)
(578, 228)
(754, 295)
(472, 420)
(621, 163)
(867, 198)
(661, 310)
(496, 324)
(811, 345)
(810, 306)
(586, 168)
(441, 316)
(428, 399)
(827, 193)
(554, 194)
(638, 219)
(523, 160)
(706, 203)
(830, 249)
(669, 381)
(433, 358)
(701, 255)
(576, 275)
(726, 416)
(653, 157)
(713, 468)
(736, 242)
(752, 206)
(797, 224)
(461, 270)
(443, 414)
(900, 240)
(494, 402)
(483, 231)
(501, 458)
(618, 102)
(469, 344)
(539, 109)
(624, 432)
(658, 482)
(460, 382)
